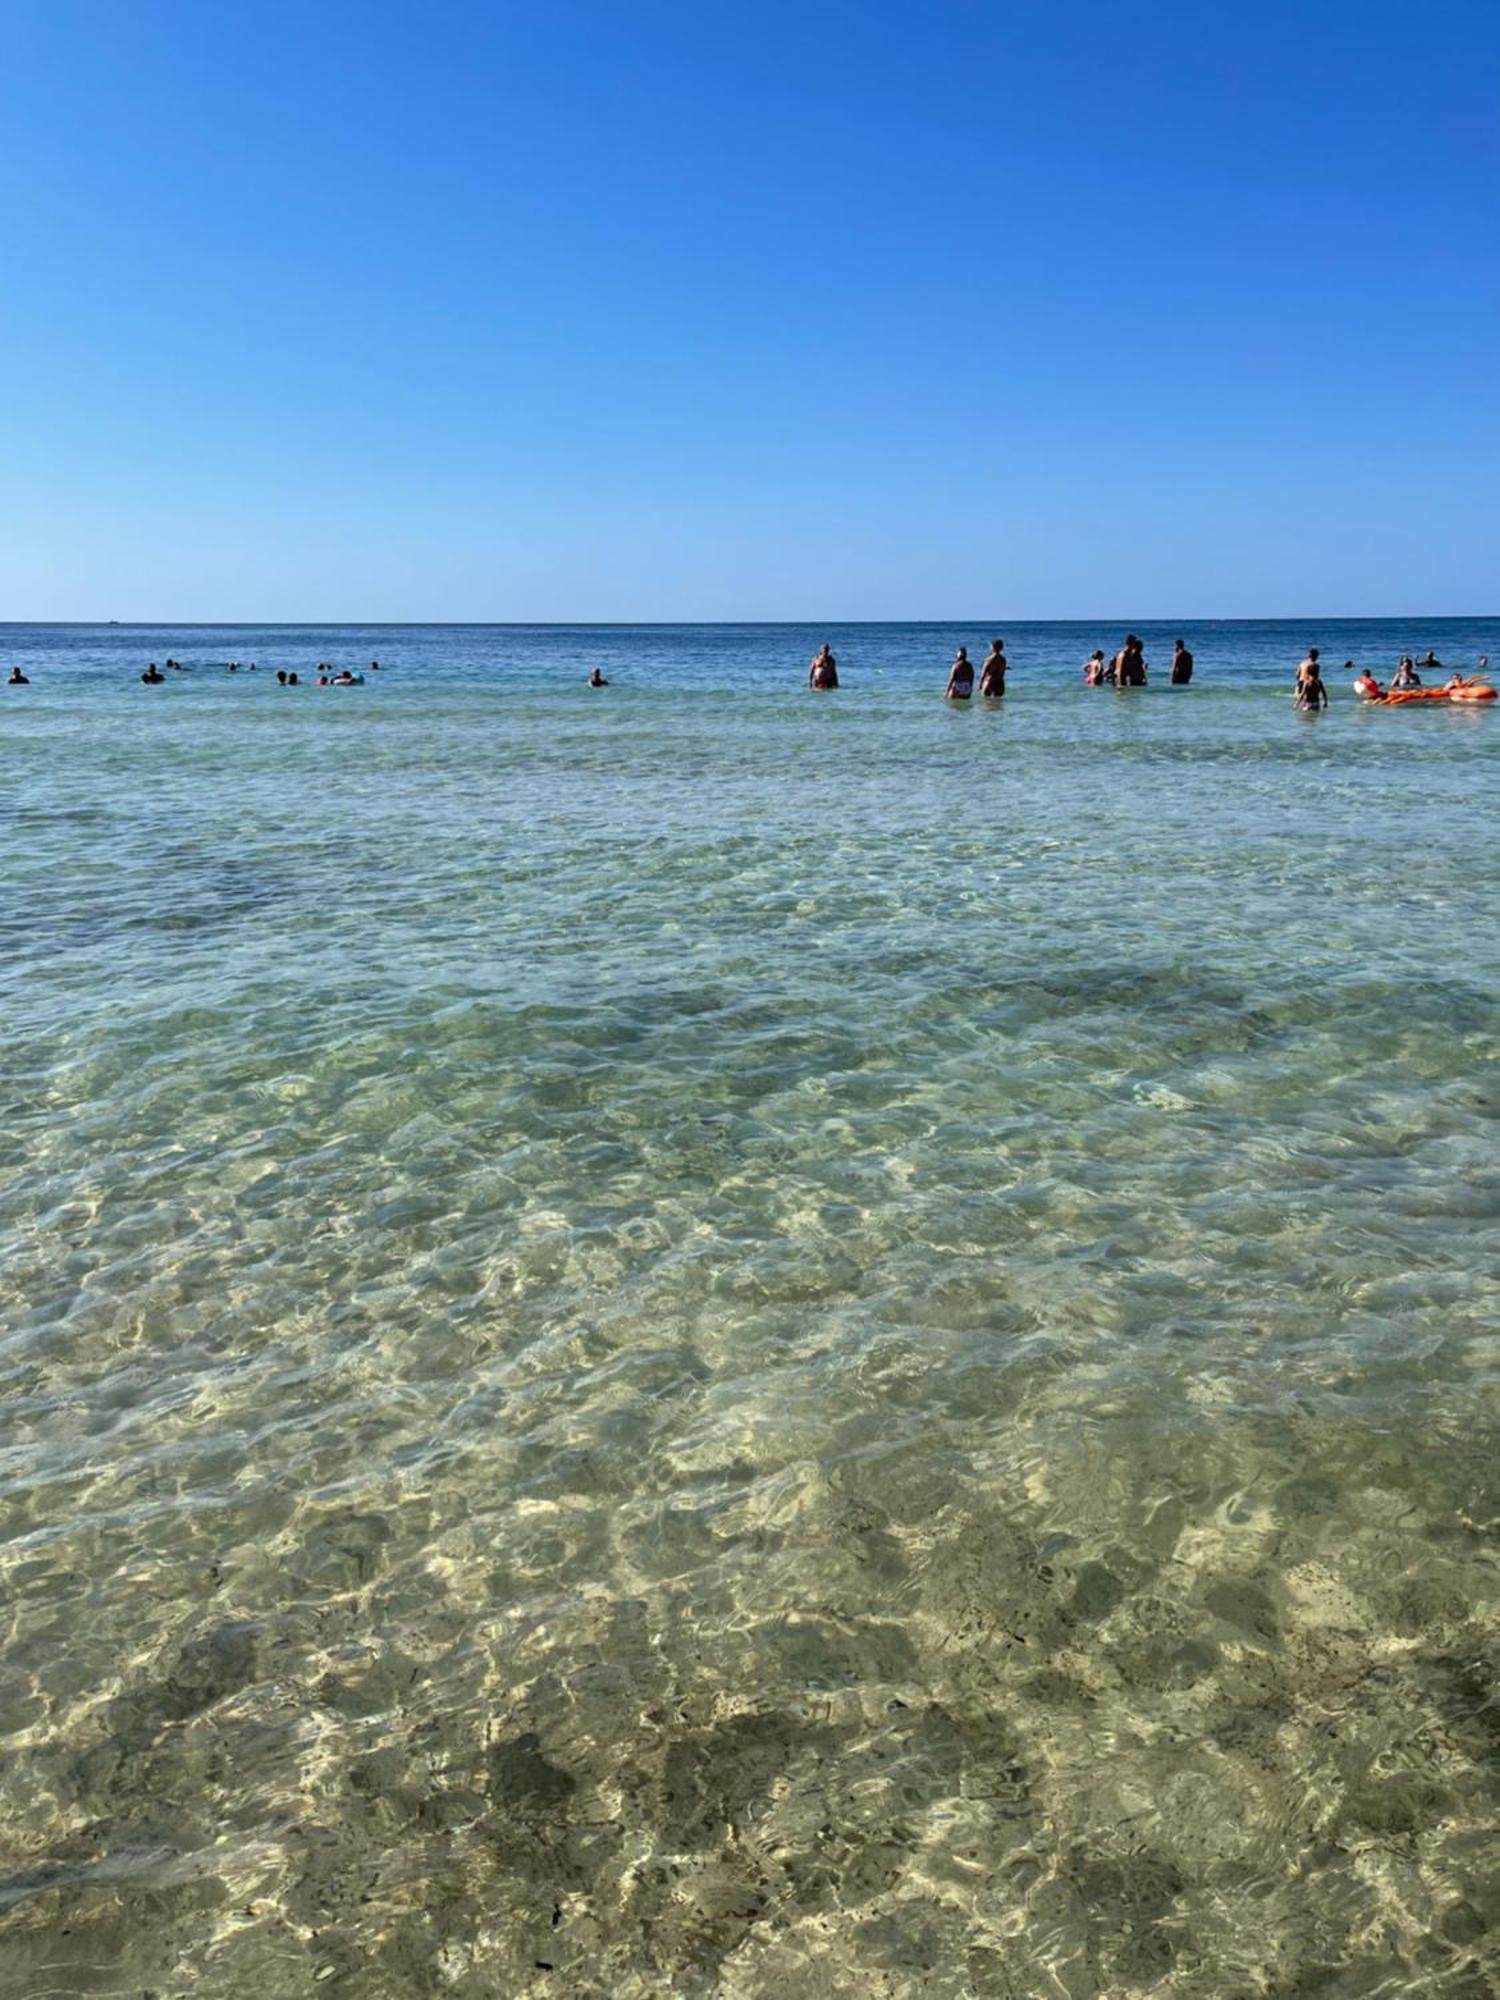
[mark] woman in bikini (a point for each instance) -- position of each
(961, 679)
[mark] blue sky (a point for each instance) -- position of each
(657, 310)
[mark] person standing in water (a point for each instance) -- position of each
(1130, 663)
(992, 673)
(961, 677)
(153, 675)
(17, 679)
(1310, 692)
(1094, 669)
(1182, 665)
(824, 671)
(597, 680)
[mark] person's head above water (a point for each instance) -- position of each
(1312, 652)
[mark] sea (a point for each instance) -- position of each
(701, 1339)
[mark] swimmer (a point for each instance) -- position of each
(961, 677)
(1406, 675)
(17, 679)
(281, 676)
(292, 681)
(992, 673)
(343, 680)
(1094, 669)
(824, 671)
(374, 666)
(1310, 691)
(1182, 664)
(597, 680)
(152, 675)
(1432, 662)
(1365, 684)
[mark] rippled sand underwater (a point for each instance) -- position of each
(748, 1347)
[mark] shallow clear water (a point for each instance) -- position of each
(703, 1339)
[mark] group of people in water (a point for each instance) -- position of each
(1310, 690)
(1126, 669)
(327, 675)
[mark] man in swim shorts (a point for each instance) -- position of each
(1310, 692)
(824, 671)
(1182, 664)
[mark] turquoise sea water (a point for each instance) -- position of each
(709, 1340)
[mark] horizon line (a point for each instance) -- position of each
(605, 624)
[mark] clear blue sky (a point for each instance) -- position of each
(572, 310)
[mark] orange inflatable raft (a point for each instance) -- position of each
(1466, 691)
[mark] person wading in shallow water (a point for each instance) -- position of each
(824, 671)
(1310, 693)
(1129, 664)
(992, 673)
(961, 678)
(1182, 665)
